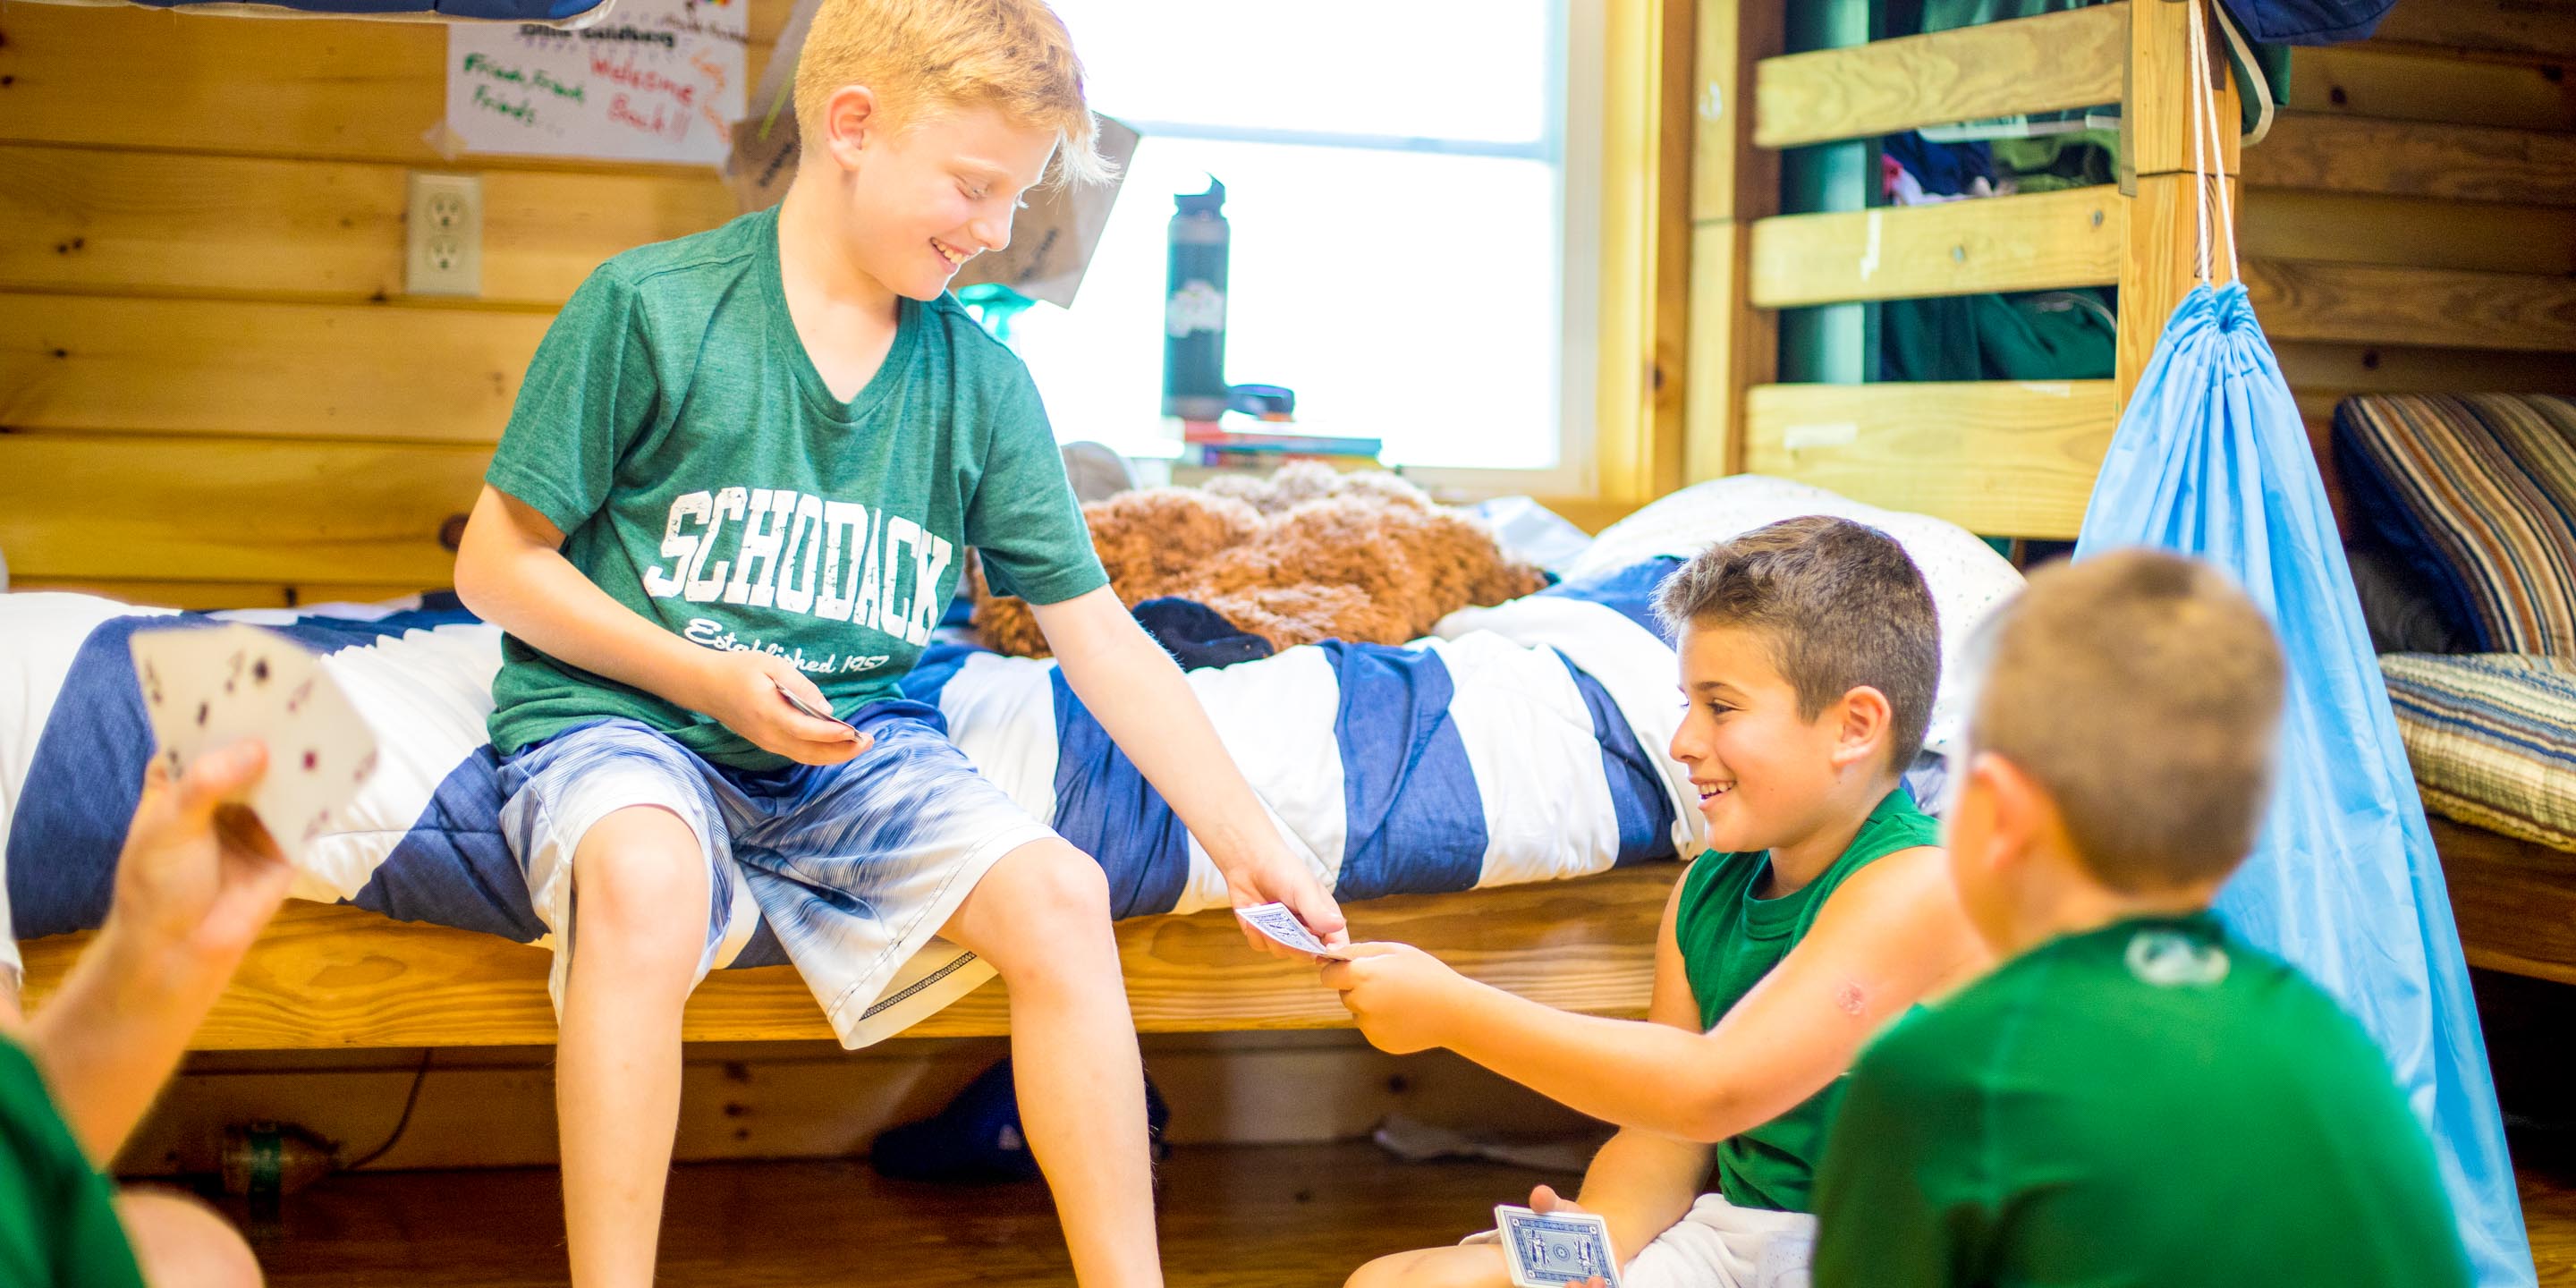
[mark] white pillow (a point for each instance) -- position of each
(1968, 579)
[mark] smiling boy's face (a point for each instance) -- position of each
(929, 197)
(1765, 775)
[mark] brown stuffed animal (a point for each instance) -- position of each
(1308, 554)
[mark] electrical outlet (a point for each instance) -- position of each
(443, 235)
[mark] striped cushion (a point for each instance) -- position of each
(2493, 738)
(2474, 491)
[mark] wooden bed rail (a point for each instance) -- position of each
(2030, 243)
(1991, 456)
(2044, 64)
(330, 977)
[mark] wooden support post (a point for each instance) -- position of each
(2157, 168)
(1646, 249)
(1733, 345)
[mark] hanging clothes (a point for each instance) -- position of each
(2212, 459)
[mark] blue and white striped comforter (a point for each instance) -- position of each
(1522, 743)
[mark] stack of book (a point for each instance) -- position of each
(1211, 445)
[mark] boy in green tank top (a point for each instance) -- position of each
(1809, 656)
(2136, 1097)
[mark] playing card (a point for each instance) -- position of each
(204, 689)
(1277, 922)
(1552, 1249)
(802, 705)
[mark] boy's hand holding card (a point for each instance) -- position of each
(1277, 923)
(1556, 1249)
(204, 689)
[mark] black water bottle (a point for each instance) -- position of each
(1194, 307)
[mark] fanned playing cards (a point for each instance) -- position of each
(204, 689)
(1553, 1249)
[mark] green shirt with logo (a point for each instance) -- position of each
(2152, 1102)
(672, 426)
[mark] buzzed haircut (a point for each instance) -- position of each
(2142, 691)
(1843, 607)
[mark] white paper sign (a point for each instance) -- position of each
(656, 80)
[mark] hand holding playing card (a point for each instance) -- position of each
(1280, 880)
(205, 689)
(1562, 1248)
(198, 871)
(774, 705)
(1399, 994)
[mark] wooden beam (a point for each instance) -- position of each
(2339, 369)
(321, 88)
(210, 595)
(2338, 153)
(1998, 458)
(1733, 345)
(106, 221)
(174, 509)
(2440, 308)
(2060, 60)
(338, 977)
(2417, 232)
(2412, 84)
(2171, 245)
(2515, 901)
(422, 373)
(2029, 243)
(2544, 29)
(1645, 250)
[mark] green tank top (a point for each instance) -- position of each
(1730, 939)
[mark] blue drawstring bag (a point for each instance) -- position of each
(2211, 459)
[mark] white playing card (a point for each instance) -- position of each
(1275, 921)
(802, 705)
(1553, 1249)
(208, 688)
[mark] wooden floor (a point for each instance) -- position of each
(1232, 1217)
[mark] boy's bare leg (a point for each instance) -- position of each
(1041, 917)
(640, 895)
(182, 1243)
(1475, 1265)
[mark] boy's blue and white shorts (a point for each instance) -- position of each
(857, 865)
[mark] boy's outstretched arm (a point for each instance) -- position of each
(1643, 1181)
(1140, 697)
(510, 570)
(1884, 940)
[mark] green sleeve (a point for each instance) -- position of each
(58, 1222)
(1023, 518)
(588, 393)
(1899, 1199)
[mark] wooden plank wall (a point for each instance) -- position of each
(2410, 225)
(213, 389)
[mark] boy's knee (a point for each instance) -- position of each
(1433, 1268)
(640, 878)
(1054, 884)
(181, 1243)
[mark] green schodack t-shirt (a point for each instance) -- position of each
(1730, 938)
(58, 1223)
(2152, 1102)
(703, 475)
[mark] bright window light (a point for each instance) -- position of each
(1396, 193)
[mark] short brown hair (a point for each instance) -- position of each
(2142, 691)
(925, 56)
(1843, 605)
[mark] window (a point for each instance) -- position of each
(1402, 252)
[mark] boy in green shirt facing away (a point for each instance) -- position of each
(1809, 655)
(736, 494)
(2136, 1096)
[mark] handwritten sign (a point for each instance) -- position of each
(656, 80)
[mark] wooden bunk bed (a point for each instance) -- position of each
(2408, 225)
